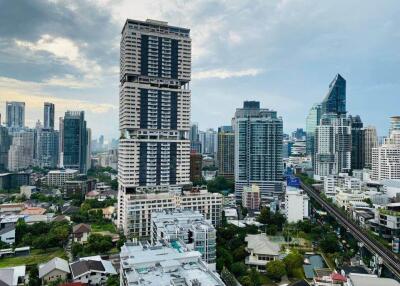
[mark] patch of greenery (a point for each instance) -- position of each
(37, 256)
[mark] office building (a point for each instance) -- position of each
(226, 152)
(251, 198)
(332, 146)
(196, 165)
(186, 227)
(48, 115)
(258, 150)
(21, 152)
(47, 143)
(9, 181)
(370, 141)
(154, 149)
(296, 205)
(164, 265)
(75, 141)
(15, 114)
(357, 143)
(299, 134)
(335, 100)
(5, 142)
(195, 144)
(209, 142)
(312, 121)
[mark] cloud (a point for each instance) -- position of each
(224, 73)
(66, 50)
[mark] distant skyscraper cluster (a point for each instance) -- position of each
(43, 146)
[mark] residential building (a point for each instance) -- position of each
(394, 123)
(258, 150)
(226, 152)
(15, 114)
(357, 143)
(188, 228)
(7, 234)
(209, 142)
(386, 159)
(78, 187)
(75, 141)
(388, 221)
(312, 121)
(298, 148)
(10, 181)
(355, 279)
(140, 208)
(13, 276)
(27, 191)
(53, 270)
(5, 143)
(48, 116)
(345, 198)
(370, 141)
(262, 250)
(21, 151)
(57, 178)
(251, 198)
(296, 205)
(299, 134)
(196, 166)
(335, 100)
(92, 270)
(164, 265)
(154, 149)
(332, 146)
(80, 232)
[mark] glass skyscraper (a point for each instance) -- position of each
(335, 100)
(15, 113)
(258, 150)
(48, 115)
(357, 143)
(312, 121)
(75, 141)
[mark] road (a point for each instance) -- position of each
(390, 259)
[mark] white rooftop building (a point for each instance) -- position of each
(296, 205)
(188, 227)
(262, 250)
(164, 266)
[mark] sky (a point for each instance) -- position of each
(283, 53)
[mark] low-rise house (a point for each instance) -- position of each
(7, 234)
(53, 270)
(262, 250)
(231, 213)
(108, 212)
(92, 195)
(92, 270)
(80, 232)
(11, 208)
(108, 194)
(356, 279)
(27, 191)
(33, 211)
(13, 276)
(69, 210)
(61, 218)
(32, 219)
(332, 279)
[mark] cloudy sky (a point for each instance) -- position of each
(283, 53)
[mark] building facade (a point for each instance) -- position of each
(48, 115)
(5, 142)
(332, 146)
(251, 198)
(15, 114)
(335, 100)
(75, 141)
(296, 205)
(226, 152)
(196, 164)
(21, 152)
(258, 150)
(357, 143)
(370, 141)
(154, 149)
(47, 143)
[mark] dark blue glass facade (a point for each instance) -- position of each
(335, 100)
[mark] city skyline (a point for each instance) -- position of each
(237, 56)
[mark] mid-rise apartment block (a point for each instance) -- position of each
(251, 198)
(57, 178)
(226, 152)
(296, 205)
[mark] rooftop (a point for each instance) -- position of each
(55, 263)
(261, 244)
(164, 266)
(371, 280)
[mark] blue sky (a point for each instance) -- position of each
(282, 53)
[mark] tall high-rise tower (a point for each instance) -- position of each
(312, 121)
(75, 141)
(226, 152)
(258, 150)
(370, 141)
(357, 143)
(154, 118)
(15, 113)
(48, 115)
(335, 100)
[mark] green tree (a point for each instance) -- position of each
(265, 216)
(293, 260)
(112, 280)
(239, 269)
(34, 276)
(272, 229)
(329, 243)
(275, 270)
